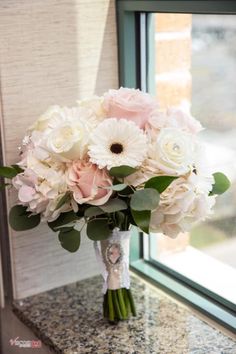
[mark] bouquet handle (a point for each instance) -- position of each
(113, 257)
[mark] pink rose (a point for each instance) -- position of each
(183, 120)
(84, 180)
(174, 118)
(130, 104)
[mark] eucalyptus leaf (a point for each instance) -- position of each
(113, 205)
(142, 219)
(116, 187)
(63, 219)
(7, 172)
(145, 199)
(93, 211)
(17, 168)
(21, 220)
(121, 171)
(69, 239)
(4, 185)
(82, 209)
(127, 191)
(119, 217)
(97, 229)
(63, 200)
(221, 184)
(160, 183)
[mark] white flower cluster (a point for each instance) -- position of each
(69, 151)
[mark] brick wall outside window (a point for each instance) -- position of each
(173, 58)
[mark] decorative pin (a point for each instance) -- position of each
(114, 254)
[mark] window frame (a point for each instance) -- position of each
(130, 68)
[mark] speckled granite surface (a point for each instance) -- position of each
(69, 320)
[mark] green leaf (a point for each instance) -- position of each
(116, 187)
(7, 172)
(97, 229)
(113, 205)
(221, 184)
(63, 200)
(119, 217)
(142, 219)
(145, 199)
(17, 168)
(21, 220)
(127, 191)
(121, 171)
(63, 219)
(82, 209)
(69, 239)
(93, 211)
(160, 183)
(4, 185)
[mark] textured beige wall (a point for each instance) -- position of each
(53, 51)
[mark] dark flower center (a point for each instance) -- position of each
(116, 148)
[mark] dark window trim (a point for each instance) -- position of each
(4, 231)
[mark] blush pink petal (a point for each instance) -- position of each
(130, 104)
(85, 181)
(26, 194)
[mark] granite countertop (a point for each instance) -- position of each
(69, 320)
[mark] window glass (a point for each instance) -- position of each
(193, 65)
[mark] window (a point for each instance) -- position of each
(182, 53)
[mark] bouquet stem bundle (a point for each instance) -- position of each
(118, 305)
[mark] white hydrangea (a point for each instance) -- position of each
(40, 187)
(185, 202)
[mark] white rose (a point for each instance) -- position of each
(174, 150)
(52, 113)
(94, 107)
(61, 132)
(68, 140)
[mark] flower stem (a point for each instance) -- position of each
(116, 305)
(111, 315)
(122, 303)
(126, 300)
(105, 305)
(131, 301)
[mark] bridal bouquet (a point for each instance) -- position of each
(110, 163)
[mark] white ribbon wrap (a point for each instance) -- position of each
(113, 257)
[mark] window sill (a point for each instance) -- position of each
(69, 320)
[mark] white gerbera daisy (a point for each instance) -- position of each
(117, 142)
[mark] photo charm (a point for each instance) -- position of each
(109, 164)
